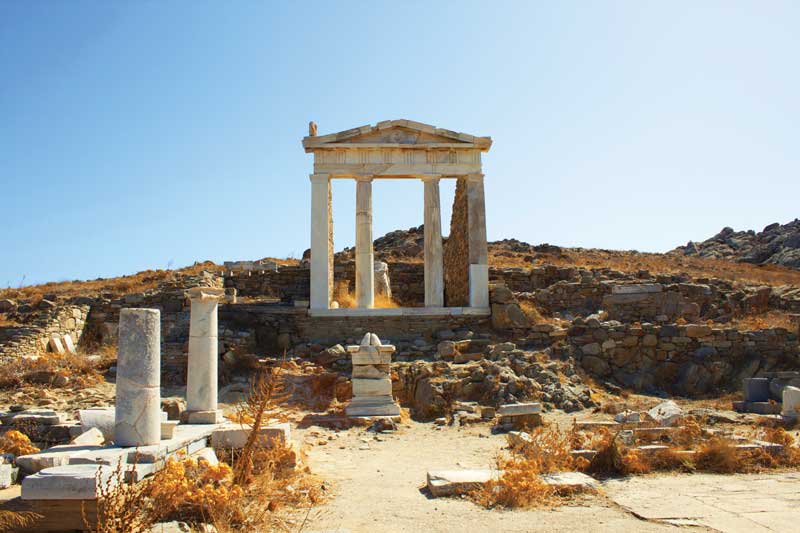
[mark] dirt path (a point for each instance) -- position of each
(377, 482)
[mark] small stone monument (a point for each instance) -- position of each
(372, 384)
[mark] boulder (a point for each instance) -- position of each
(666, 414)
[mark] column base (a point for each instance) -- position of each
(205, 417)
(479, 285)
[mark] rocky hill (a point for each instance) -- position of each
(776, 245)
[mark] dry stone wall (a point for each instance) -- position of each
(33, 338)
(456, 251)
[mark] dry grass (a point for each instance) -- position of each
(535, 316)
(47, 369)
(139, 282)
(348, 301)
(770, 319)
(632, 262)
(17, 443)
(122, 507)
(520, 485)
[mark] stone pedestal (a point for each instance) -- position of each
(137, 419)
(791, 402)
(372, 384)
(201, 380)
(321, 242)
(365, 275)
(434, 265)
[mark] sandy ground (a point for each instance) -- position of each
(377, 484)
(377, 481)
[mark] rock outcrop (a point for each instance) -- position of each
(777, 245)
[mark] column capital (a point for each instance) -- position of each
(363, 177)
(430, 177)
(475, 178)
(205, 294)
(319, 178)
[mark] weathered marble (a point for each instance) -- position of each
(137, 420)
(201, 381)
(71, 482)
(396, 149)
(434, 265)
(372, 384)
(321, 242)
(365, 270)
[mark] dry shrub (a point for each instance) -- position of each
(189, 489)
(609, 458)
(718, 455)
(520, 484)
(123, 507)
(688, 433)
(29, 370)
(533, 313)
(17, 443)
(770, 319)
(14, 520)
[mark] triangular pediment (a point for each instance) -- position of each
(396, 132)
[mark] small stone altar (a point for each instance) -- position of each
(372, 384)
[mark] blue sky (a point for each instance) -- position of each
(135, 135)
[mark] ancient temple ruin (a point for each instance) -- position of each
(403, 149)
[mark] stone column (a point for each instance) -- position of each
(434, 266)
(365, 275)
(478, 250)
(137, 418)
(201, 379)
(321, 242)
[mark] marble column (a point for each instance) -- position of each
(137, 412)
(365, 275)
(478, 249)
(434, 266)
(201, 379)
(321, 242)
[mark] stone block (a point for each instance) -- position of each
(695, 331)
(204, 417)
(372, 406)
(756, 389)
(90, 437)
(571, 481)
(51, 457)
(636, 288)
(168, 429)
(371, 358)
(72, 482)
(234, 436)
(791, 402)
(31, 417)
(519, 409)
(369, 372)
(69, 346)
(372, 387)
(453, 482)
(666, 413)
(8, 475)
(56, 345)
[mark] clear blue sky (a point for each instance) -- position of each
(138, 134)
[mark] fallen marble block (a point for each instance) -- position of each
(666, 413)
(91, 437)
(72, 482)
(520, 409)
(452, 482)
(234, 436)
(372, 406)
(51, 457)
(45, 417)
(455, 482)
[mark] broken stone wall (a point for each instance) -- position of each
(688, 359)
(456, 251)
(33, 338)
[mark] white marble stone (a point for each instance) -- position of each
(201, 381)
(69, 346)
(434, 263)
(72, 482)
(137, 420)
(365, 270)
(519, 409)
(90, 437)
(234, 436)
(321, 267)
(372, 387)
(479, 286)
(791, 402)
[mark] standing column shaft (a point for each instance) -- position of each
(365, 274)
(478, 249)
(201, 380)
(321, 242)
(434, 266)
(137, 419)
